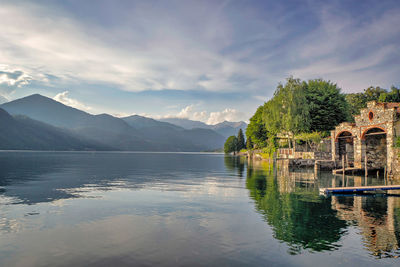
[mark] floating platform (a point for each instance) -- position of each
(358, 189)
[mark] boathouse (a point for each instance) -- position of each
(370, 139)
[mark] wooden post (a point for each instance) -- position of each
(384, 174)
(343, 164)
(366, 164)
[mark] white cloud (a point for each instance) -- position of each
(211, 118)
(66, 100)
(227, 114)
(170, 56)
(13, 77)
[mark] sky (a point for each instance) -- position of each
(203, 60)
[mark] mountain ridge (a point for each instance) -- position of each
(134, 133)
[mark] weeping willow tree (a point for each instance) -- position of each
(287, 112)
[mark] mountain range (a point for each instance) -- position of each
(66, 128)
(225, 128)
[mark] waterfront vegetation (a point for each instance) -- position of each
(305, 112)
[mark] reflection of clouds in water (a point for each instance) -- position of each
(9, 225)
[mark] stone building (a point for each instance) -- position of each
(372, 138)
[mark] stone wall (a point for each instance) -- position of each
(377, 116)
(376, 151)
(396, 164)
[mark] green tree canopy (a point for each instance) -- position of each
(358, 101)
(230, 144)
(256, 129)
(249, 143)
(241, 144)
(327, 107)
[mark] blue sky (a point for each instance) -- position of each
(203, 60)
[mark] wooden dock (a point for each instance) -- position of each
(358, 189)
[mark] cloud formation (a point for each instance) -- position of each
(66, 100)
(211, 118)
(108, 48)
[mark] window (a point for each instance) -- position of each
(371, 115)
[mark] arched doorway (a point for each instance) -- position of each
(345, 147)
(374, 148)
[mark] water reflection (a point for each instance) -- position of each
(37, 177)
(297, 214)
(290, 204)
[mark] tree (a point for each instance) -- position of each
(249, 143)
(256, 129)
(230, 145)
(327, 107)
(358, 101)
(241, 144)
(287, 111)
(392, 96)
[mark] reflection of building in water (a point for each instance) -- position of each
(291, 179)
(376, 219)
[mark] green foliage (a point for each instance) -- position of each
(249, 143)
(358, 101)
(230, 144)
(392, 96)
(314, 107)
(397, 144)
(327, 107)
(315, 137)
(295, 216)
(287, 111)
(256, 129)
(240, 140)
(298, 107)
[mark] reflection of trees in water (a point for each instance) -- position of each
(234, 163)
(301, 218)
(290, 203)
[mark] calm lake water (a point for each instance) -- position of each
(116, 209)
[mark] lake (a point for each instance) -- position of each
(179, 209)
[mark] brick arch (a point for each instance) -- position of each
(343, 131)
(370, 128)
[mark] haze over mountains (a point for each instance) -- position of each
(68, 128)
(225, 128)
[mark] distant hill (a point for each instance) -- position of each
(177, 137)
(135, 133)
(139, 122)
(225, 128)
(102, 128)
(23, 133)
(186, 123)
(228, 128)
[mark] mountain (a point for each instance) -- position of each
(21, 132)
(186, 123)
(228, 128)
(139, 122)
(174, 136)
(225, 128)
(133, 133)
(102, 128)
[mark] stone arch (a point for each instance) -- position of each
(345, 146)
(374, 147)
(341, 133)
(372, 128)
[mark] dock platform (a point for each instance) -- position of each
(358, 189)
